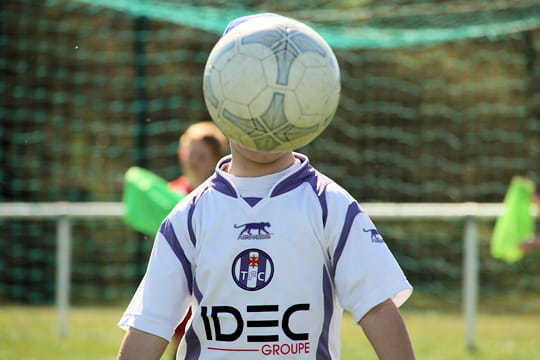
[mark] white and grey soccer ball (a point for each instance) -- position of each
(271, 83)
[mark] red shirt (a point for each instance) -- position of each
(180, 185)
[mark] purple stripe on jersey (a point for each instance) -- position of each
(323, 351)
(168, 233)
(307, 174)
(196, 291)
(252, 201)
(296, 179)
(195, 195)
(193, 345)
(352, 211)
(319, 186)
(219, 183)
(190, 221)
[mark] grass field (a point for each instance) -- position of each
(508, 328)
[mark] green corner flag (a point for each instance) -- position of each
(147, 200)
(516, 223)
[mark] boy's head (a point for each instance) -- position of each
(199, 149)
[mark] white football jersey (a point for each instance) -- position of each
(268, 278)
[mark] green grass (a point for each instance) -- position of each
(440, 336)
(506, 328)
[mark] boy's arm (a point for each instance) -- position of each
(141, 345)
(386, 331)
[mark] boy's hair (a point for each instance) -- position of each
(208, 132)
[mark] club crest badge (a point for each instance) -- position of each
(252, 269)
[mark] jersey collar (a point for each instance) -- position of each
(219, 183)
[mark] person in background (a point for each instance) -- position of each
(199, 149)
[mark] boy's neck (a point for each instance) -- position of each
(249, 163)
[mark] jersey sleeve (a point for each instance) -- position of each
(364, 269)
(163, 296)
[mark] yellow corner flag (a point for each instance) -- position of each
(516, 223)
(147, 200)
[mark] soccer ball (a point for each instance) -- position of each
(271, 83)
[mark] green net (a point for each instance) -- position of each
(440, 103)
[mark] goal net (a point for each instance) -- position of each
(440, 103)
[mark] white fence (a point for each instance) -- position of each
(64, 211)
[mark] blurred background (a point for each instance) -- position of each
(440, 103)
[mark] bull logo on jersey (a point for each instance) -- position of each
(375, 236)
(252, 269)
(261, 229)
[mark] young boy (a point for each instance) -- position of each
(268, 252)
(199, 149)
